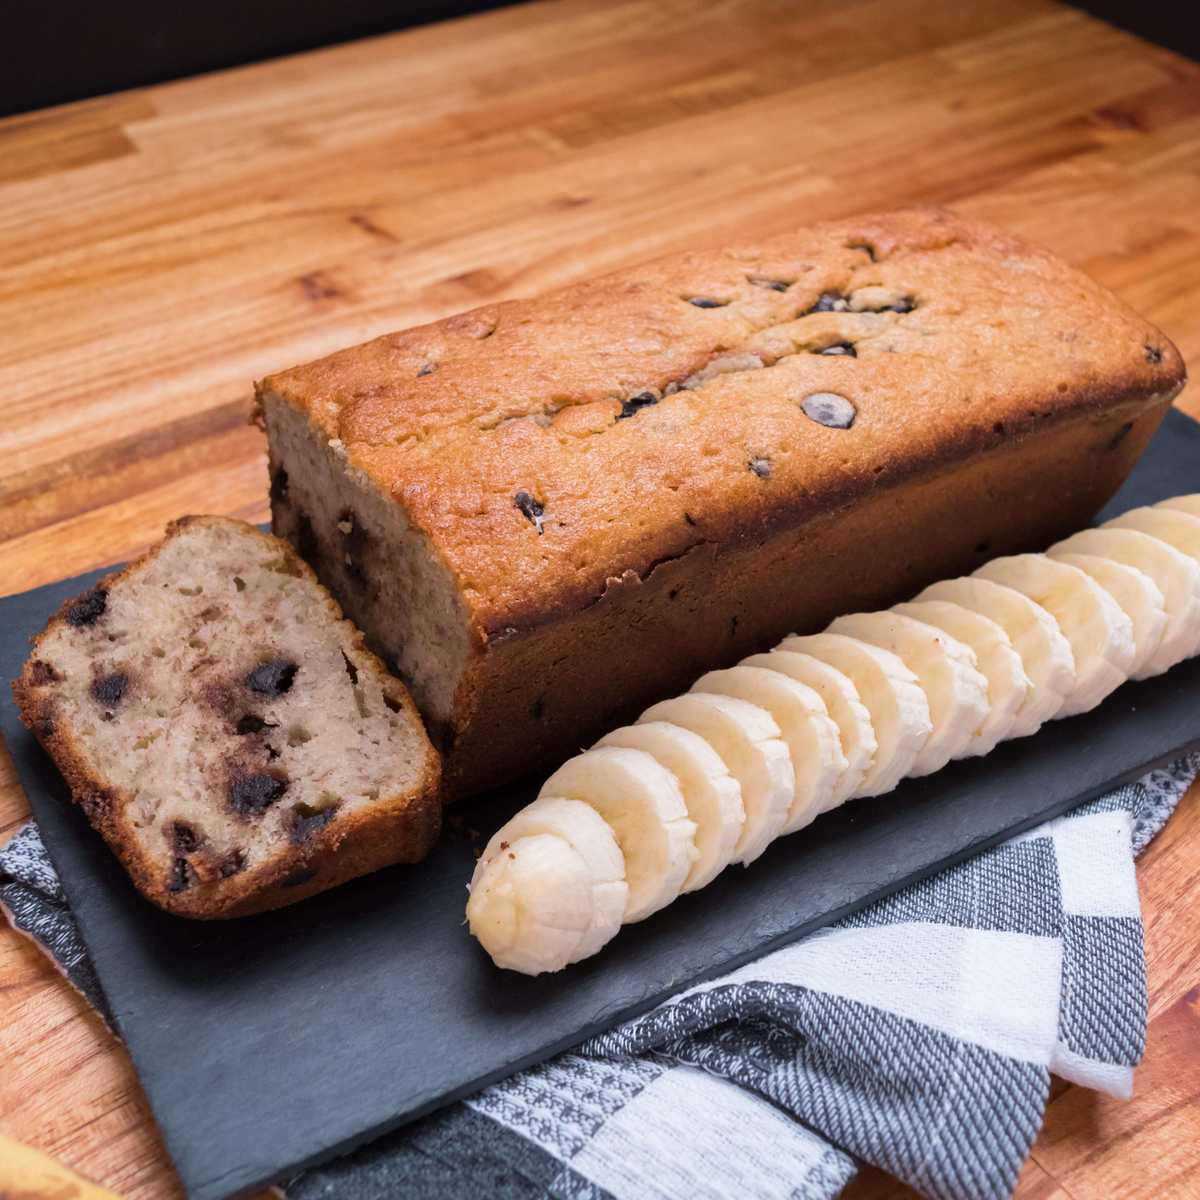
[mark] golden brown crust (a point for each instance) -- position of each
(396, 829)
(610, 537)
(526, 396)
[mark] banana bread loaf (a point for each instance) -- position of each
(225, 729)
(549, 513)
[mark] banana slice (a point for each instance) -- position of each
(712, 795)
(588, 834)
(1136, 593)
(1100, 633)
(1185, 504)
(531, 906)
(1035, 635)
(747, 739)
(812, 739)
(643, 805)
(842, 703)
(946, 671)
(997, 661)
(891, 693)
(1177, 576)
(1178, 529)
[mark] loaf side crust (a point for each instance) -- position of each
(571, 506)
(399, 827)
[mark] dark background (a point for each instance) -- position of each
(60, 50)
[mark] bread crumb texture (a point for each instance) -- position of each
(226, 729)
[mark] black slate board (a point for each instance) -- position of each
(271, 1043)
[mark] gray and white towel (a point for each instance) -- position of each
(918, 1035)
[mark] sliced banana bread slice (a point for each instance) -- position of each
(225, 728)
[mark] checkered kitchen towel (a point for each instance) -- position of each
(918, 1035)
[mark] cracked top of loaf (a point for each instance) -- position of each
(550, 446)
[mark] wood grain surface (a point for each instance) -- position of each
(160, 249)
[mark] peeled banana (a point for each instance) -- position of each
(813, 741)
(1100, 633)
(747, 739)
(711, 794)
(760, 749)
(643, 805)
(995, 657)
(844, 706)
(892, 694)
(946, 671)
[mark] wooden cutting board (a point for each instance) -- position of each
(161, 248)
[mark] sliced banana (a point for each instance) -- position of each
(1136, 593)
(1185, 504)
(1100, 633)
(712, 795)
(588, 834)
(1177, 576)
(891, 693)
(812, 738)
(1000, 664)
(946, 671)
(531, 906)
(747, 739)
(1178, 529)
(642, 803)
(842, 703)
(1035, 635)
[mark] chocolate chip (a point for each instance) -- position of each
(186, 838)
(532, 509)
(306, 821)
(296, 878)
(356, 543)
(306, 537)
(761, 467)
(231, 864)
(427, 369)
(706, 302)
(829, 302)
(181, 877)
(351, 669)
(42, 673)
(109, 689)
(390, 704)
(251, 793)
(88, 608)
(1153, 354)
(251, 724)
(272, 678)
(279, 486)
(635, 404)
(829, 409)
(1121, 434)
(772, 285)
(846, 348)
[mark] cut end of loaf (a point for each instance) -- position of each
(225, 729)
